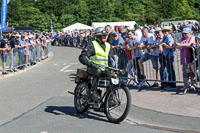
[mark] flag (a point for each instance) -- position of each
(51, 27)
(3, 15)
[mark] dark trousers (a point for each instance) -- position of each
(96, 74)
(167, 61)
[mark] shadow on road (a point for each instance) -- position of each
(72, 77)
(173, 92)
(67, 110)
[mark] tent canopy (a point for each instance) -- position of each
(77, 26)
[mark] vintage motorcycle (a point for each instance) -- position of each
(114, 96)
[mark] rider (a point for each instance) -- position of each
(97, 56)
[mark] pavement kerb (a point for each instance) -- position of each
(28, 68)
(163, 121)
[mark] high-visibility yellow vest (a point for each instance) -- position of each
(101, 56)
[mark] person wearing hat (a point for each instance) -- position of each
(116, 43)
(187, 56)
(138, 32)
(167, 59)
(21, 51)
(148, 42)
(96, 56)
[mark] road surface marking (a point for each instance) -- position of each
(73, 63)
(64, 64)
(44, 132)
(69, 71)
(55, 64)
(63, 69)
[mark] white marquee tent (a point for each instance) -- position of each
(113, 24)
(76, 26)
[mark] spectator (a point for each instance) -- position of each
(117, 41)
(123, 31)
(4, 53)
(116, 28)
(11, 45)
(109, 29)
(136, 53)
(21, 51)
(147, 41)
(138, 32)
(44, 46)
(183, 26)
(167, 59)
(26, 53)
(187, 56)
(130, 60)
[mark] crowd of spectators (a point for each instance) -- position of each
(157, 43)
(23, 49)
(73, 39)
(131, 48)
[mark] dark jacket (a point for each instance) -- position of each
(90, 51)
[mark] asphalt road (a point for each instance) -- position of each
(37, 101)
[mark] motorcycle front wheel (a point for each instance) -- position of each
(117, 104)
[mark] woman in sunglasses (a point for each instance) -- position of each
(187, 56)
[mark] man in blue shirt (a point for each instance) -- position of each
(167, 59)
(22, 44)
(117, 41)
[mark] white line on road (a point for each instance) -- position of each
(69, 71)
(64, 64)
(44, 132)
(73, 63)
(63, 69)
(55, 64)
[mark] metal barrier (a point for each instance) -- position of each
(171, 69)
(23, 57)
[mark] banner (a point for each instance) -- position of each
(3, 15)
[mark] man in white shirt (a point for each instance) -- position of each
(138, 32)
(148, 41)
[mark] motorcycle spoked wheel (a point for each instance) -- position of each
(117, 104)
(80, 97)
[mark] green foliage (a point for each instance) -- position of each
(66, 12)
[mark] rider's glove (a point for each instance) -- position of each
(91, 64)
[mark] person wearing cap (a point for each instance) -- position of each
(96, 56)
(34, 51)
(116, 29)
(158, 41)
(21, 51)
(187, 56)
(116, 43)
(138, 32)
(26, 52)
(147, 42)
(167, 59)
